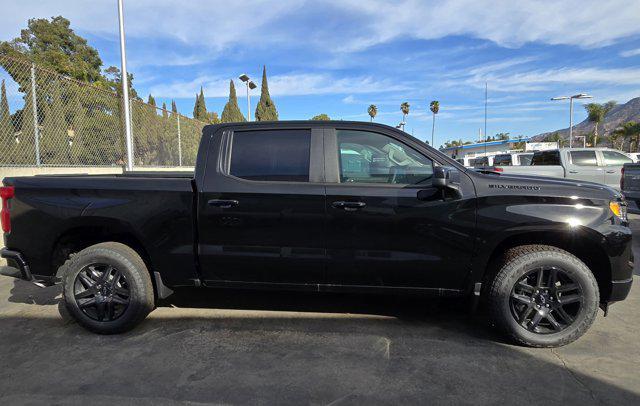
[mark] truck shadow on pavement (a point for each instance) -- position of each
(252, 347)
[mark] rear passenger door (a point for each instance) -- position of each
(262, 208)
(613, 162)
(583, 165)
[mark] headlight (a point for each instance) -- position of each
(619, 209)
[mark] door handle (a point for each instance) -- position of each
(573, 171)
(223, 204)
(614, 171)
(348, 206)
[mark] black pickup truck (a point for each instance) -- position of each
(324, 206)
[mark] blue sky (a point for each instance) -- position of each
(337, 57)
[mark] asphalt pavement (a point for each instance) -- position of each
(245, 347)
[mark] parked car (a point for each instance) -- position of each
(513, 159)
(482, 161)
(599, 165)
(630, 186)
(635, 156)
(324, 206)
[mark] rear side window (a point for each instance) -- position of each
(275, 155)
(546, 158)
(502, 160)
(583, 158)
(615, 158)
(482, 161)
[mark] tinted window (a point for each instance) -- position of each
(583, 158)
(280, 155)
(502, 160)
(525, 160)
(482, 161)
(615, 158)
(367, 157)
(546, 158)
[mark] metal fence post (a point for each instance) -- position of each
(36, 130)
(179, 142)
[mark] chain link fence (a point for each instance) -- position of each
(47, 119)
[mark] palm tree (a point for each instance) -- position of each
(596, 113)
(555, 137)
(434, 106)
(373, 111)
(404, 107)
(629, 130)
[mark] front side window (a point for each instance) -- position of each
(368, 157)
(583, 158)
(615, 158)
(274, 155)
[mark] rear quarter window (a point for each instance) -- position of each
(502, 160)
(583, 158)
(546, 158)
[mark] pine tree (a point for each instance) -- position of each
(266, 109)
(231, 112)
(174, 108)
(7, 140)
(200, 108)
(54, 140)
(151, 101)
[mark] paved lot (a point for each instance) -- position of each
(286, 348)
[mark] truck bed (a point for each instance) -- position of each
(153, 209)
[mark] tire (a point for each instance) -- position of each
(535, 311)
(114, 292)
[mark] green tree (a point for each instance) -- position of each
(630, 132)
(373, 111)
(231, 112)
(266, 108)
(596, 113)
(54, 140)
(554, 137)
(174, 108)
(200, 108)
(321, 117)
(213, 118)
(7, 140)
(54, 45)
(434, 106)
(404, 107)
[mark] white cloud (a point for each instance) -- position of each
(630, 53)
(295, 84)
(343, 24)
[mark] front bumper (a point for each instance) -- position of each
(17, 261)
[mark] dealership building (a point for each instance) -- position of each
(495, 147)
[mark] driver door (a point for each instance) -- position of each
(379, 233)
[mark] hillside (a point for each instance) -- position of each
(629, 111)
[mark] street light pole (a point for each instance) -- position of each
(125, 91)
(250, 86)
(575, 96)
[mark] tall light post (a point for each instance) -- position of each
(575, 96)
(250, 86)
(125, 91)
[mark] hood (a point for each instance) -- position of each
(496, 184)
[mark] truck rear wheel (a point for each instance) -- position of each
(543, 296)
(107, 288)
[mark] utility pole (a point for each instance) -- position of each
(125, 91)
(485, 116)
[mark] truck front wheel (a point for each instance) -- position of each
(107, 288)
(543, 296)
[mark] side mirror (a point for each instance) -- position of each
(444, 177)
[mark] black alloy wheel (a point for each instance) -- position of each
(546, 300)
(101, 292)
